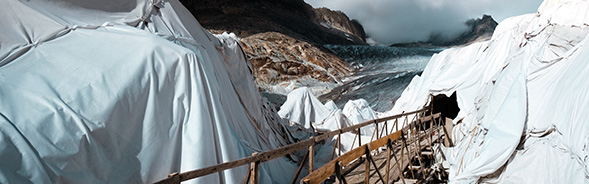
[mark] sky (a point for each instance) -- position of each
(401, 21)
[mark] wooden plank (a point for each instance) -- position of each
(324, 172)
(311, 157)
(429, 118)
(262, 157)
(448, 134)
(357, 176)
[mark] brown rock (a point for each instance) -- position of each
(277, 58)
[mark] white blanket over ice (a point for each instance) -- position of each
(124, 91)
(523, 99)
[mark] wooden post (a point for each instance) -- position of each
(386, 128)
(311, 155)
(335, 145)
(447, 134)
(375, 168)
(359, 136)
(431, 105)
(388, 160)
(377, 135)
(397, 124)
(367, 163)
(431, 132)
(339, 143)
(405, 145)
(254, 170)
(338, 173)
(399, 163)
(300, 168)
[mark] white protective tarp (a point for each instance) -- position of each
(127, 92)
(302, 107)
(330, 105)
(522, 97)
(359, 111)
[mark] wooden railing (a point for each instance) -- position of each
(258, 158)
(335, 166)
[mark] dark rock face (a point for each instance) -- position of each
(283, 38)
(478, 29)
(293, 18)
(338, 21)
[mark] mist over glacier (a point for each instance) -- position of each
(400, 21)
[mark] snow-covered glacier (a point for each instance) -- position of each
(523, 99)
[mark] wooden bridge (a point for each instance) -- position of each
(404, 156)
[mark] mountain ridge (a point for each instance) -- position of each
(283, 39)
(478, 29)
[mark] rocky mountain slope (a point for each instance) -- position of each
(478, 29)
(277, 57)
(283, 38)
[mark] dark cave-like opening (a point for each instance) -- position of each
(448, 106)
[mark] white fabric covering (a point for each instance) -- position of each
(359, 111)
(302, 107)
(522, 97)
(127, 92)
(330, 105)
(333, 121)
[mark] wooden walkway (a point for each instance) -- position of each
(407, 159)
(400, 166)
(402, 156)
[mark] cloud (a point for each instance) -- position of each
(398, 21)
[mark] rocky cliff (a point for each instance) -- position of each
(277, 58)
(283, 38)
(477, 30)
(339, 22)
(294, 18)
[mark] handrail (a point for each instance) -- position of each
(324, 172)
(275, 153)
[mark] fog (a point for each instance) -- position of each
(399, 21)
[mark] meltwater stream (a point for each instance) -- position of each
(383, 73)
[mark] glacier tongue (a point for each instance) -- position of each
(522, 97)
